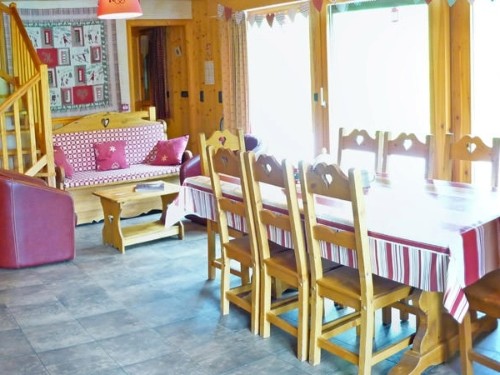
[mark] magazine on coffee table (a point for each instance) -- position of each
(149, 186)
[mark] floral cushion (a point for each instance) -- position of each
(110, 155)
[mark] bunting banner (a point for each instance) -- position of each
(280, 17)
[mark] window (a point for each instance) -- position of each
(485, 75)
(378, 68)
(280, 87)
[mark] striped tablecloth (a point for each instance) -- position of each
(434, 235)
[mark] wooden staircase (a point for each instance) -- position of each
(25, 118)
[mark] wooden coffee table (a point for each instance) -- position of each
(114, 199)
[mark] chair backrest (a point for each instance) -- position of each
(472, 149)
(361, 140)
(224, 164)
(330, 183)
(267, 176)
(220, 138)
(408, 145)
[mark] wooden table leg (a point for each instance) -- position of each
(429, 345)
(111, 230)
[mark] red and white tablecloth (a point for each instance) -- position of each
(434, 235)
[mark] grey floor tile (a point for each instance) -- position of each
(22, 365)
(56, 335)
(173, 364)
(7, 321)
(111, 324)
(13, 343)
(78, 360)
(150, 311)
(136, 347)
(40, 314)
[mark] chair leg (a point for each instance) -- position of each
(303, 320)
(387, 315)
(265, 303)
(465, 332)
(255, 314)
(245, 275)
(224, 283)
(316, 327)
(367, 328)
(211, 250)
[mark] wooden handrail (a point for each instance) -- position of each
(25, 120)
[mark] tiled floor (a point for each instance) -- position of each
(149, 311)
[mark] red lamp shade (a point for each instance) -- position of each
(118, 9)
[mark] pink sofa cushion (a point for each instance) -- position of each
(169, 152)
(61, 161)
(110, 155)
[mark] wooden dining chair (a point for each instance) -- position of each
(483, 296)
(286, 264)
(472, 149)
(237, 215)
(409, 146)
(360, 141)
(218, 139)
(358, 288)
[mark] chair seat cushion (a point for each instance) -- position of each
(136, 172)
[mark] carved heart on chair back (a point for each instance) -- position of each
(360, 139)
(471, 147)
(267, 168)
(222, 140)
(407, 144)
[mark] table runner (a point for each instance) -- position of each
(435, 236)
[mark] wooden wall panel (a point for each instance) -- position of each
(207, 49)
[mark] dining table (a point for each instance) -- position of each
(434, 235)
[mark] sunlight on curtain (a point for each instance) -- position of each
(485, 61)
(379, 72)
(280, 87)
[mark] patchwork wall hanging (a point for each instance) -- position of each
(80, 53)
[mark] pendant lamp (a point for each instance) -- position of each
(118, 9)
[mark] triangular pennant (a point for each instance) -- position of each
(238, 17)
(304, 9)
(228, 13)
(318, 4)
(291, 14)
(428, 1)
(451, 2)
(258, 19)
(280, 17)
(270, 19)
(251, 19)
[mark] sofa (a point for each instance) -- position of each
(105, 150)
(37, 222)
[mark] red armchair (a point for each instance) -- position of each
(37, 222)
